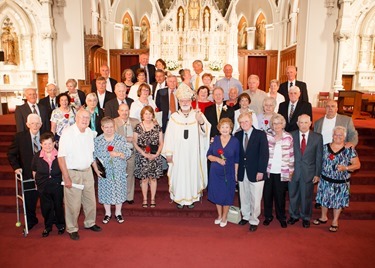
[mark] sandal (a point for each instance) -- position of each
(144, 204)
(152, 204)
(333, 229)
(319, 221)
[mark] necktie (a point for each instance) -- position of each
(35, 144)
(246, 141)
(291, 84)
(291, 111)
(196, 83)
(218, 113)
(34, 110)
(53, 105)
(303, 144)
(147, 76)
(172, 103)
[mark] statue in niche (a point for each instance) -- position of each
(180, 25)
(126, 34)
(9, 43)
(206, 20)
(223, 6)
(242, 36)
(144, 34)
(194, 13)
(261, 35)
(6, 79)
(164, 6)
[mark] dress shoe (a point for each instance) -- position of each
(318, 206)
(130, 202)
(74, 236)
(292, 221)
(253, 228)
(223, 224)
(94, 228)
(306, 224)
(61, 231)
(217, 221)
(283, 224)
(46, 232)
(267, 222)
(243, 222)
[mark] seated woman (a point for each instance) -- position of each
(244, 101)
(127, 78)
(144, 93)
(112, 151)
(148, 142)
(202, 102)
(273, 92)
(264, 118)
(48, 177)
(233, 98)
(63, 116)
(141, 78)
(96, 113)
(334, 185)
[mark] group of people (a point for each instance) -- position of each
(202, 134)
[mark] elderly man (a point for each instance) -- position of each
(102, 93)
(196, 79)
(293, 108)
(75, 156)
(186, 143)
(228, 82)
(50, 100)
(159, 83)
(252, 169)
(256, 95)
(291, 73)
(110, 83)
(308, 153)
(149, 68)
(20, 156)
(29, 107)
(124, 126)
(111, 107)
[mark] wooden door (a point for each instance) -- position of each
(258, 65)
(347, 82)
(42, 80)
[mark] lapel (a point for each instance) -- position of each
(296, 111)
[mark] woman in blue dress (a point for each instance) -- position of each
(334, 187)
(224, 156)
(112, 151)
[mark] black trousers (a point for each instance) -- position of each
(31, 200)
(274, 191)
(51, 203)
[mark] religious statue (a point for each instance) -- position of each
(9, 41)
(126, 34)
(6, 79)
(206, 20)
(180, 19)
(144, 34)
(194, 14)
(242, 36)
(261, 35)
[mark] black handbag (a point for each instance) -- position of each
(154, 148)
(101, 168)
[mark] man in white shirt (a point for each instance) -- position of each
(110, 82)
(228, 81)
(103, 94)
(196, 79)
(50, 100)
(159, 84)
(291, 73)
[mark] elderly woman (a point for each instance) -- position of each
(148, 142)
(96, 113)
(233, 98)
(62, 117)
(280, 170)
(334, 187)
(224, 156)
(185, 75)
(244, 101)
(207, 80)
(112, 151)
(202, 102)
(127, 77)
(48, 177)
(274, 87)
(268, 111)
(76, 97)
(144, 93)
(141, 78)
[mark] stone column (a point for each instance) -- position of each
(137, 37)
(293, 28)
(250, 37)
(269, 36)
(340, 47)
(365, 53)
(94, 22)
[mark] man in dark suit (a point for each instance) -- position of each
(308, 153)
(110, 82)
(163, 100)
(252, 169)
(215, 112)
(49, 101)
(29, 107)
(149, 68)
(111, 107)
(20, 156)
(159, 83)
(293, 108)
(103, 95)
(291, 73)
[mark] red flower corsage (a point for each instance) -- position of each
(66, 116)
(110, 148)
(71, 99)
(147, 149)
(157, 109)
(266, 122)
(331, 156)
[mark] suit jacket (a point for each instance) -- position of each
(344, 121)
(154, 85)
(108, 96)
(112, 81)
(111, 107)
(20, 153)
(150, 69)
(119, 125)
(24, 110)
(162, 102)
(309, 164)
(211, 116)
(46, 102)
(98, 119)
(283, 90)
(255, 159)
(302, 107)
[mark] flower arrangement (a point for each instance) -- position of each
(222, 156)
(172, 65)
(110, 148)
(215, 65)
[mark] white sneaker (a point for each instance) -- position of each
(217, 221)
(223, 224)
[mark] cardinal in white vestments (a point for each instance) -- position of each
(187, 139)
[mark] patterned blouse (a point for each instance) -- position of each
(62, 119)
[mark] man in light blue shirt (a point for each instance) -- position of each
(228, 81)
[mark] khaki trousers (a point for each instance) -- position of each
(130, 165)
